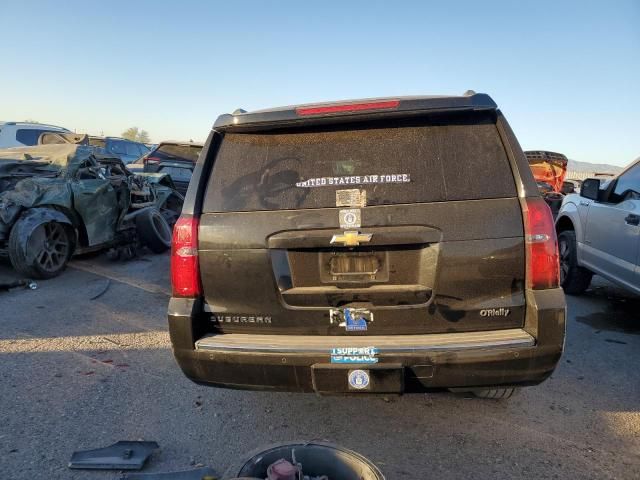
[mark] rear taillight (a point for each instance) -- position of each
(151, 160)
(185, 274)
(348, 107)
(543, 269)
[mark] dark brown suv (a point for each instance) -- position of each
(369, 246)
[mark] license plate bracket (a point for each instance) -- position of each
(354, 267)
(383, 378)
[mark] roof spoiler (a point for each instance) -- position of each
(351, 110)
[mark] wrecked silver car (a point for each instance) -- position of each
(57, 200)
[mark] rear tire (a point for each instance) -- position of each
(573, 278)
(154, 231)
(44, 253)
(495, 393)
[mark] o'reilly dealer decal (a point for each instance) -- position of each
(355, 180)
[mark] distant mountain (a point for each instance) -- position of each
(575, 166)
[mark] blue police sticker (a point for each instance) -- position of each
(352, 319)
(354, 355)
(359, 379)
(355, 321)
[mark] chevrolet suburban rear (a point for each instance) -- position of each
(376, 246)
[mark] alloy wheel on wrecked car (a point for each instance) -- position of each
(50, 242)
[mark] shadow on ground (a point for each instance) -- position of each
(582, 423)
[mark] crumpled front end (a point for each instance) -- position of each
(27, 184)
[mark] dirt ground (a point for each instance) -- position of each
(85, 361)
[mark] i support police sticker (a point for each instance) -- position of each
(359, 379)
(354, 355)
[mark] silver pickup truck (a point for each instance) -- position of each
(599, 232)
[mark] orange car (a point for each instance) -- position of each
(549, 169)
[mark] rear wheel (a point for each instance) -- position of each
(154, 231)
(44, 252)
(573, 278)
(495, 393)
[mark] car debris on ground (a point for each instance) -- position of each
(122, 455)
(314, 460)
(61, 199)
(201, 473)
(103, 290)
(132, 455)
(28, 284)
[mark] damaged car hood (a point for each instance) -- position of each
(32, 176)
(63, 157)
(28, 180)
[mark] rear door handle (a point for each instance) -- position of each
(632, 219)
(584, 204)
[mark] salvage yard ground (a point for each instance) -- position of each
(77, 373)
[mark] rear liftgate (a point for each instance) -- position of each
(346, 235)
(364, 272)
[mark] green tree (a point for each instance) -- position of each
(136, 134)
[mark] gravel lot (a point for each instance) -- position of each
(77, 373)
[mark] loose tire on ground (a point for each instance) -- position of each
(154, 231)
(42, 253)
(573, 278)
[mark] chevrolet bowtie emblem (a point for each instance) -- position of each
(351, 238)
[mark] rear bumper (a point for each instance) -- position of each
(404, 363)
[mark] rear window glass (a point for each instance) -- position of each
(179, 152)
(410, 161)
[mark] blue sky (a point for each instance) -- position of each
(566, 74)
